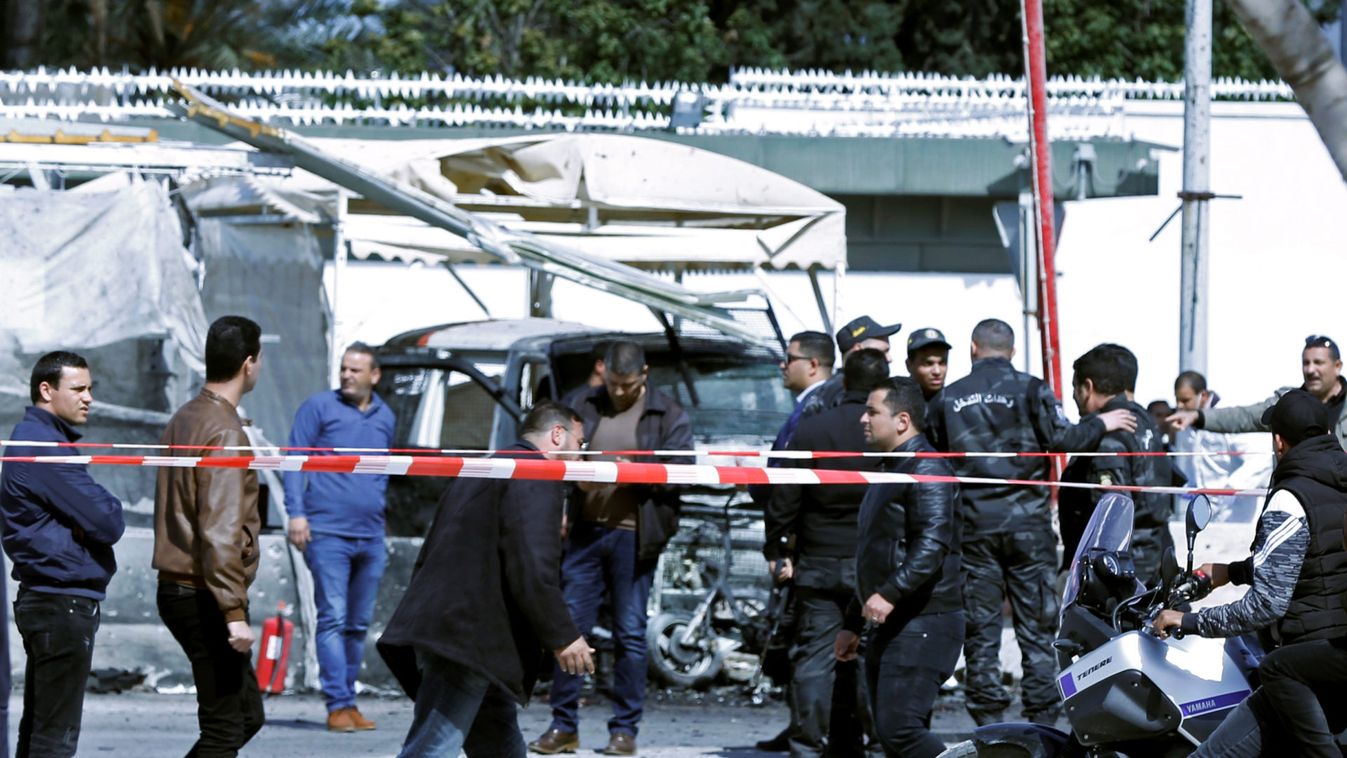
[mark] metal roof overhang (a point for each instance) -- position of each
(990, 167)
(505, 245)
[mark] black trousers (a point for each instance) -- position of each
(827, 697)
(905, 664)
(1304, 691)
(229, 705)
(58, 638)
(1023, 567)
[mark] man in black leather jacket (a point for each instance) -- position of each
(1009, 547)
(1104, 380)
(822, 521)
(907, 577)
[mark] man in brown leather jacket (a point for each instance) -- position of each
(205, 543)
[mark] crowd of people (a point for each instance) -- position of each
(891, 581)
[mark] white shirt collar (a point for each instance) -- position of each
(805, 392)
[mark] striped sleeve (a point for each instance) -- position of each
(1279, 550)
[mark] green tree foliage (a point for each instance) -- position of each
(1144, 39)
(615, 40)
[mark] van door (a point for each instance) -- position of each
(441, 403)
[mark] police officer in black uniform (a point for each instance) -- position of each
(1008, 544)
(822, 521)
(861, 333)
(1104, 380)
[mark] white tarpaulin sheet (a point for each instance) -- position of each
(88, 268)
(633, 200)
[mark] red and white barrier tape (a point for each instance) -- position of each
(567, 471)
(802, 455)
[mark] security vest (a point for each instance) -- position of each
(1317, 609)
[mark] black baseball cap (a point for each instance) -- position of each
(1297, 416)
(925, 338)
(860, 329)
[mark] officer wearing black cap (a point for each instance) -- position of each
(858, 334)
(1321, 368)
(928, 360)
(1297, 575)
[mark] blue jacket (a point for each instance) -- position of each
(347, 505)
(60, 525)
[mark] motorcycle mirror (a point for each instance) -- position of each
(1199, 515)
(1169, 567)
(1197, 518)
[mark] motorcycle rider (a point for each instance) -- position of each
(1298, 568)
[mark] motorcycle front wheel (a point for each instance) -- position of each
(692, 664)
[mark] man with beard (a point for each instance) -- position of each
(469, 656)
(1104, 380)
(337, 521)
(821, 521)
(907, 577)
(1321, 368)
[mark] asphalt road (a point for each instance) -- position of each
(145, 725)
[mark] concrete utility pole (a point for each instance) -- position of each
(1196, 192)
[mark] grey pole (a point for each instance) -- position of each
(1196, 192)
(1342, 32)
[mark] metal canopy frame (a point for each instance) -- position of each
(506, 245)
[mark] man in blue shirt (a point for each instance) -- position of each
(338, 521)
(59, 529)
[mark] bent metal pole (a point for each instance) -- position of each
(1036, 81)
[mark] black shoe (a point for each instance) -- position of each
(984, 717)
(777, 744)
(1045, 718)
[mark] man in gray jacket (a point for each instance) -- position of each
(1321, 367)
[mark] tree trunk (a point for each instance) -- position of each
(23, 33)
(1302, 56)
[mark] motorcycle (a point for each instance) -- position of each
(688, 648)
(1127, 692)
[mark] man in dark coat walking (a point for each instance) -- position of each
(468, 656)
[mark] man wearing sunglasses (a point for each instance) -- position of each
(1321, 367)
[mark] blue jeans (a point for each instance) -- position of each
(602, 560)
(346, 573)
(459, 709)
(1239, 736)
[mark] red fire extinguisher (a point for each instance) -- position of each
(274, 652)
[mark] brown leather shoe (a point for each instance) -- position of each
(340, 721)
(620, 743)
(359, 721)
(555, 741)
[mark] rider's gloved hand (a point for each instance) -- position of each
(1192, 586)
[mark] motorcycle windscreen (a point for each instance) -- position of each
(1110, 528)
